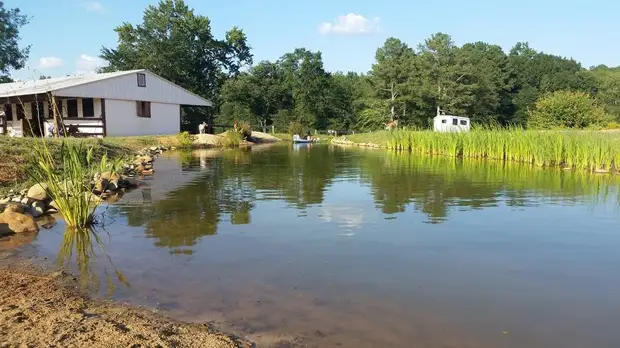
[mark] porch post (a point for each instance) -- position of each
(105, 131)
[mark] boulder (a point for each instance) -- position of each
(140, 168)
(129, 182)
(144, 159)
(5, 200)
(37, 209)
(113, 185)
(101, 185)
(38, 192)
(14, 207)
(109, 176)
(154, 148)
(53, 205)
(11, 221)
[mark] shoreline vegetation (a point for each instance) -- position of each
(592, 151)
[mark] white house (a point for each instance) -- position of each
(450, 123)
(122, 103)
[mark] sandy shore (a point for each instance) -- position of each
(47, 310)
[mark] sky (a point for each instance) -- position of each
(66, 36)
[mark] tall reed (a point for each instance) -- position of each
(67, 178)
(588, 150)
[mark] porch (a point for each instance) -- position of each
(33, 115)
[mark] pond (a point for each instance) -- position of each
(325, 246)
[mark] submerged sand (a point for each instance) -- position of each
(47, 310)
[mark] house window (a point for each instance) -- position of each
(36, 111)
(141, 80)
(444, 121)
(8, 112)
(88, 107)
(463, 122)
(143, 109)
(21, 113)
(72, 108)
(455, 122)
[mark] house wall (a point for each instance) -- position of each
(122, 119)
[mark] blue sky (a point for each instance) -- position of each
(66, 35)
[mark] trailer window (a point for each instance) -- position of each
(455, 122)
(444, 121)
(463, 122)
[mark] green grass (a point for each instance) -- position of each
(585, 150)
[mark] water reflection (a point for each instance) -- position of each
(230, 182)
(83, 248)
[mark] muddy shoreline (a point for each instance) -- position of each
(40, 308)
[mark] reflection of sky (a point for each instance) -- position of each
(349, 205)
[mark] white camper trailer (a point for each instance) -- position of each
(450, 123)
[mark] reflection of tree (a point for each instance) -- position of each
(432, 185)
(228, 189)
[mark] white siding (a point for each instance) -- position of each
(121, 119)
(125, 87)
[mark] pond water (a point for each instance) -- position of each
(324, 246)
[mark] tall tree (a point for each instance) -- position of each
(177, 44)
(392, 72)
(11, 55)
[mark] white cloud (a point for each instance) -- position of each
(86, 64)
(92, 6)
(351, 24)
(50, 62)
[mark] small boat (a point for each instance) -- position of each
(299, 140)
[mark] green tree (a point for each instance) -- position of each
(12, 56)
(178, 44)
(391, 75)
(607, 81)
(566, 109)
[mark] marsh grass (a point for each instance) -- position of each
(584, 150)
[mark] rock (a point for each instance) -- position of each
(101, 185)
(23, 192)
(14, 207)
(37, 209)
(140, 168)
(38, 192)
(129, 182)
(109, 176)
(27, 201)
(2, 207)
(153, 148)
(17, 199)
(148, 167)
(147, 172)
(144, 159)
(113, 185)
(53, 205)
(5, 200)
(15, 222)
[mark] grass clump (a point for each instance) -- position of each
(66, 176)
(232, 139)
(185, 140)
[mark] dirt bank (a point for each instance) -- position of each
(46, 310)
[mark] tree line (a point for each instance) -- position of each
(407, 83)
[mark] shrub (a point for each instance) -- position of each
(185, 139)
(296, 128)
(232, 139)
(244, 129)
(566, 109)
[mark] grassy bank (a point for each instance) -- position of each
(19, 154)
(586, 150)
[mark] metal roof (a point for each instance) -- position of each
(57, 84)
(27, 87)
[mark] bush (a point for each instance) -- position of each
(296, 128)
(185, 139)
(566, 109)
(244, 129)
(232, 139)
